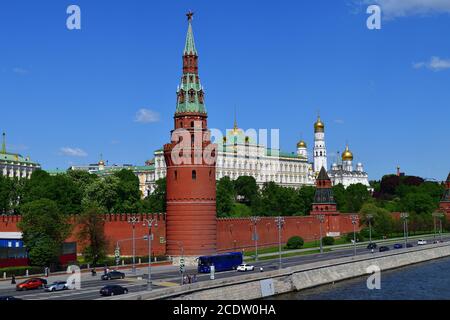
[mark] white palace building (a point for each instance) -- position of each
(14, 165)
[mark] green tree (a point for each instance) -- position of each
(418, 203)
(44, 231)
(156, 202)
(340, 197)
(92, 234)
(102, 193)
(128, 192)
(306, 197)
(356, 195)
(5, 194)
(225, 197)
(60, 189)
(240, 210)
(382, 221)
(246, 189)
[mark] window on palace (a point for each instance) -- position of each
(176, 175)
(194, 175)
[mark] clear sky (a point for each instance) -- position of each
(68, 96)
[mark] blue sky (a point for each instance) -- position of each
(68, 96)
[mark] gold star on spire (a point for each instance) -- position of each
(190, 15)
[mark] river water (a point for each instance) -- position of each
(425, 281)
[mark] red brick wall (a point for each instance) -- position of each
(232, 234)
(236, 233)
(116, 228)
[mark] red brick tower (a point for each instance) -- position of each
(191, 171)
(445, 202)
(323, 199)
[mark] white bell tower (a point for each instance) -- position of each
(320, 150)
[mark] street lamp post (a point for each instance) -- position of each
(438, 215)
(404, 216)
(149, 223)
(255, 221)
(369, 219)
(321, 218)
(182, 265)
(133, 221)
(280, 222)
(355, 219)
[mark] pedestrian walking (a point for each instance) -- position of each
(13, 279)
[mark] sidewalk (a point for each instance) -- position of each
(162, 266)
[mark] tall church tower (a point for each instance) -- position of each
(445, 201)
(324, 202)
(320, 151)
(191, 168)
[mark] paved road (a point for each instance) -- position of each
(169, 276)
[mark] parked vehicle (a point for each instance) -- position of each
(113, 275)
(57, 286)
(384, 248)
(421, 242)
(245, 267)
(371, 246)
(8, 298)
(113, 290)
(30, 284)
(398, 246)
(409, 245)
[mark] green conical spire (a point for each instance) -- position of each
(4, 143)
(190, 95)
(189, 48)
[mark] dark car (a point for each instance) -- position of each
(398, 246)
(30, 284)
(383, 249)
(113, 290)
(8, 298)
(371, 246)
(409, 245)
(113, 275)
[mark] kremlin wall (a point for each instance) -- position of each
(233, 234)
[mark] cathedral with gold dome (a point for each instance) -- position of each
(345, 173)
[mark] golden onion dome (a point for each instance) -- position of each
(101, 163)
(347, 155)
(301, 144)
(319, 126)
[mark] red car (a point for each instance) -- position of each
(30, 284)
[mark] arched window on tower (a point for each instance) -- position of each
(176, 175)
(194, 175)
(181, 96)
(191, 95)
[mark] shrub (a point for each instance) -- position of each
(359, 237)
(295, 242)
(21, 271)
(328, 241)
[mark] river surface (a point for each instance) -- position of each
(425, 281)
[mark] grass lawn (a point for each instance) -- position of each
(287, 255)
(311, 244)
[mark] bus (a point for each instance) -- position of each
(221, 262)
